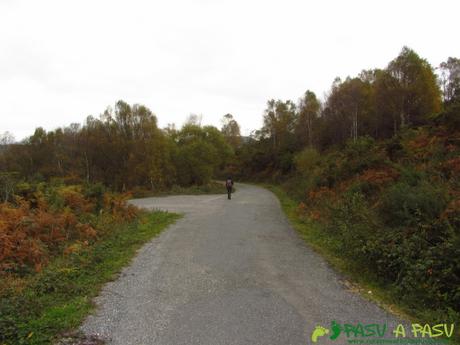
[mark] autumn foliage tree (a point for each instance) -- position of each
(231, 130)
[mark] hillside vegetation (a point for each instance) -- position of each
(374, 173)
(391, 210)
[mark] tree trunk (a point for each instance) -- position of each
(87, 167)
(403, 119)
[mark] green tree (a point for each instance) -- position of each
(348, 111)
(279, 123)
(450, 80)
(417, 92)
(231, 130)
(388, 100)
(200, 152)
(279, 130)
(309, 107)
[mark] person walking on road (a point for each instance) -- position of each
(229, 185)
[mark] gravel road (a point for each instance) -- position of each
(228, 272)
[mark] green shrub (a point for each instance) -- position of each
(410, 175)
(329, 173)
(365, 188)
(360, 155)
(95, 192)
(449, 117)
(402, 202)
(354, 222)
(423, 269)
(306, 161)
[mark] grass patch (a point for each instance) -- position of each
(361, 279)
(39, 308)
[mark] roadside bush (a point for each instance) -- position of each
(354, 223)
(95, 192)
(306, 161)
(117, 206)
(360, 155)
(46, 221)
(425, 270)
(403, 203)
(329, 172)
(450, 117)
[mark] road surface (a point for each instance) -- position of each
(228, 272)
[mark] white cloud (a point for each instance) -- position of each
(61, 61)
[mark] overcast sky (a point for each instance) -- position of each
(61, 61)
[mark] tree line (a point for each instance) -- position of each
(376, 103)
(122, 148)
